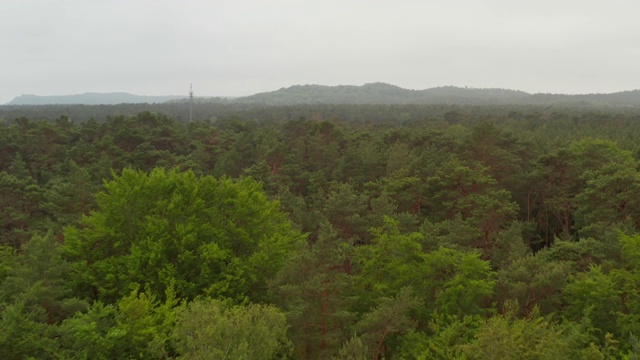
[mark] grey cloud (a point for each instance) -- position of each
(245, 46)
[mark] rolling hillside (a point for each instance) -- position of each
(90, 99)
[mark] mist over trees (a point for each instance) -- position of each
(327, 231)
(90, 99)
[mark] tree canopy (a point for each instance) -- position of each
(321, 232)
(197, 235)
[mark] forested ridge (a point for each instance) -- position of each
(367, 94)
(322, 232)
(381, 93)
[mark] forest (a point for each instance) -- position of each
(321, 232)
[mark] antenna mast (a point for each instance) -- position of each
(191, 102)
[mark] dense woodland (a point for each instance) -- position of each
(322, 232)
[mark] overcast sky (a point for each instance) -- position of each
(241, 47)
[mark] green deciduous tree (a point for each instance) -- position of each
(353, 349)
(199, 235)
(505, 338)
(137, 327)
(594, 294)
(443, 338)
(39, 278)
(452, 281)
(213, 329)
(23, 334)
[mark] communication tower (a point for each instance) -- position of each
(191, 102)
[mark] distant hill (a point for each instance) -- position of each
(91, 99)
(374, 93)
(381, 93)
(623, 98)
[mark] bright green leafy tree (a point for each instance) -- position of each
(200, 235)
(213, 329)
(453, 281)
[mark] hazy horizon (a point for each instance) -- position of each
(243, 47)
(238, 96)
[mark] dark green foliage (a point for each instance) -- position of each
(24, 334)
(533, 283)
(314, 290)
(20, 202)
(430, 232)
(34, 298)
(389, 318)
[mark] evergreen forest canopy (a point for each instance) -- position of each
(321, 232)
